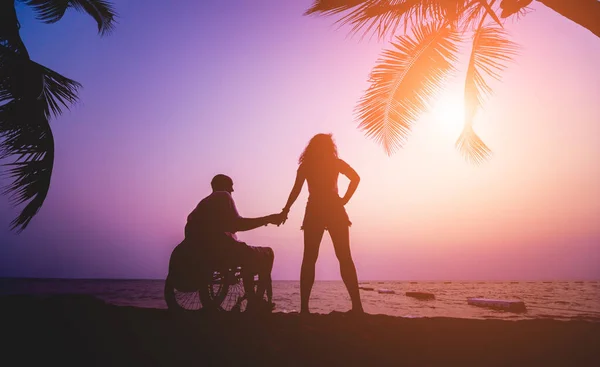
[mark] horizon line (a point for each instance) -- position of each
(325, 280)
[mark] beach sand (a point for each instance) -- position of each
(84, 331)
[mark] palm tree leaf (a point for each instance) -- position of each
(31, 94)
(472, 147)
(6, 74)
(488, 8)
(491, 51)
(58, 90)
(513, 7)
(363, 15)
(383, 17)
(22, 78)
(328, 7)
(472, 16)
(26, 135)
(404, 81)
(51, 11)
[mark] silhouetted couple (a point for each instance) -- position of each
(215, 220)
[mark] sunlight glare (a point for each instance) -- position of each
(449, 113)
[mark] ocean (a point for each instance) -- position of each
(560, 300)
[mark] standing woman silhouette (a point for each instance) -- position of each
(320, 166)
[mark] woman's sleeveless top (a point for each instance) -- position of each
(324, 207)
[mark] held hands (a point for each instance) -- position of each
(284, 215)
(277, 219)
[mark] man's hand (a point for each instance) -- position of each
(276, 219)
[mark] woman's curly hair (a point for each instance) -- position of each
(320, 147)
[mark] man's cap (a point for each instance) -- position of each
(221, 181)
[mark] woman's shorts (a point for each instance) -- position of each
(324, 214)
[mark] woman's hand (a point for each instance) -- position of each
(274, 219)
(277, 219)
(284, 215)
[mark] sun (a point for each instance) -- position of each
(449, 113)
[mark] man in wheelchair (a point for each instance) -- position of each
(212, 226)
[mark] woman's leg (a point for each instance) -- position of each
(312, 241)
(340, 237)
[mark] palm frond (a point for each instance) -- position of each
(404, 81)
(491, 51)
(10, 40)
(13, 55)
(58, 90)
(328, 7)
(488, 8)
(9, 23)
(384, 17)
(25, 134)
(31, 94)
(378, 16)
(473, 13)
(51, 11)
(512, 7)
(22, 78)
(472, 16)
(472, 147)
(6, 79)
(451, 10)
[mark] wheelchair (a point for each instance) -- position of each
(193, 285)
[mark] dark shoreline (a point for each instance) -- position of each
(361, 282)
(85, 331)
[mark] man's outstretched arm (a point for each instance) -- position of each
(247, 224)
(237, 223)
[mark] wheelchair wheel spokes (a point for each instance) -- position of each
(234, 299)
(224, 291)
(181, 300)
(189, 301)
(210, 295)
(217, 290)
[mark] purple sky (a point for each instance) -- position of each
(179, 93)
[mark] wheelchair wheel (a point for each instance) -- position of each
(212, 295)
(235, 300)
(225, 292)
(188, 288)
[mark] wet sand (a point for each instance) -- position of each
(84, 331)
